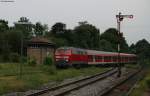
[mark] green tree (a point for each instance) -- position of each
(111, 35)
(86, 36)
(68, 35)
(105, 46)
(4, 47)
(58, 28)
(61, 36)
(143, 49)
(40, 29)
(3, 26)
(132, 49)
(25, 26)
(14, 40)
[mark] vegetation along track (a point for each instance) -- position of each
(66, 88)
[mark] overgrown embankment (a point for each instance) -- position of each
(31, 77)
(143, 86)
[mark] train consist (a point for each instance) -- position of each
(70, 56)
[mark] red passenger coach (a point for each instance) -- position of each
(70, 56)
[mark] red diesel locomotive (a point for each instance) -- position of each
(70, 56)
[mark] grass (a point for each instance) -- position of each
(143, 85)
(134, 66)
(35, 76)
(12, 69)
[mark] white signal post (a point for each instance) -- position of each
(120, 18)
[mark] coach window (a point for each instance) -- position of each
(96, 58)
(121, 58)
(108, 58)
(125, 58)
(105, 58)
(114, 59)
(100, 57)
(135, 58)
(90, 58)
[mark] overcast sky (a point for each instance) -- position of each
(100, 13)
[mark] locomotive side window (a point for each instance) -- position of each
(63, 51)
(79, 52)
(75, 52)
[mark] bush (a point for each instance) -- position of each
(14, 57)
(48, 60)
(5, 58)
(0, 67)
(1, 58)
(148, 83)
(24, 59)
(49, 69)
(31, 62)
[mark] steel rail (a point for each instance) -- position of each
(122, 81)
(76, 84)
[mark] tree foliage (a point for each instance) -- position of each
(58, 28)
(39, 29)
(3, 26)
(24, 26)
(142, 48)
(111, 35)
(106, 46)
(86, 36)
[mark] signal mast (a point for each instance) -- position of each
(120, 18)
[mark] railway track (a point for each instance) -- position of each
(105, 86)
(68, 87)
(125, 87)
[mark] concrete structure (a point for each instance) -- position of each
(38, 48)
